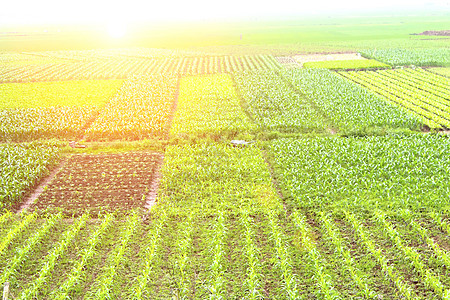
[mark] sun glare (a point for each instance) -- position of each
(117, 30)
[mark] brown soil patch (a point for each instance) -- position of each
(287, 61)
(98, 183)
(435, 33)
(28, 201)
(301, 59)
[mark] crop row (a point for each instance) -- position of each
(430, 102)
(100, 183)
(417, 57)
(208, 104)
(220, 230)
(425, 81)
(241, 254)
(215, 176)
(125, 68)
(140, 109)
(276, 105)
(30, 111)
(388, 172)
(29, 124)
(21, 167)
(61, 93)
(348, 106)
(441, 71)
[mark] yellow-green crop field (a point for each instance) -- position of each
(135, 174)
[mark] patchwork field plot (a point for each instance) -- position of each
(35, 123)
(140, 109)
(215, 177)
(60, 93)
(53, 109)
(288, 62)
(160, 205)
(346, 64)
(21, 167)
(122, 68)
(100, 183)
(276, 105)
(221, 230)
(404, 57)
(425, 94)
(209, 105)
(376, 172)
(350, 107)
(397, 185)
(306, 58)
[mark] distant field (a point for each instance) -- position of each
(421, 92)
(346, 64)
(417, 57)
(102, 65)
(296, 35)
(59, 93)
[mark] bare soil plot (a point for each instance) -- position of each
(435, 33)
(288, 62)
(301, 59)
(101, 183)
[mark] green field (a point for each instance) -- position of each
(442, 71)
(422, 93)
(209, 164)
(55, 93)
(209, 105)
(417, 57)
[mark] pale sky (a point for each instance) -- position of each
(108, 11)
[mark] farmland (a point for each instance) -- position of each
(421, 92)
(346, 64)
(417, 57)
(98, 183)
(209, 105)
(141, 108)
(313, 169)
(265, 94)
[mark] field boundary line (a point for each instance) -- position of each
(173, 108)
(39, 189)
(150, 199)
(331, 127)
(99, 111)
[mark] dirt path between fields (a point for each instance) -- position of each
(30, 198)
(174, 108)
(150, 200)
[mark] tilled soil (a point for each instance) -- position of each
(101, 183)
(435, 33)
(301, 59)
(28, 201)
